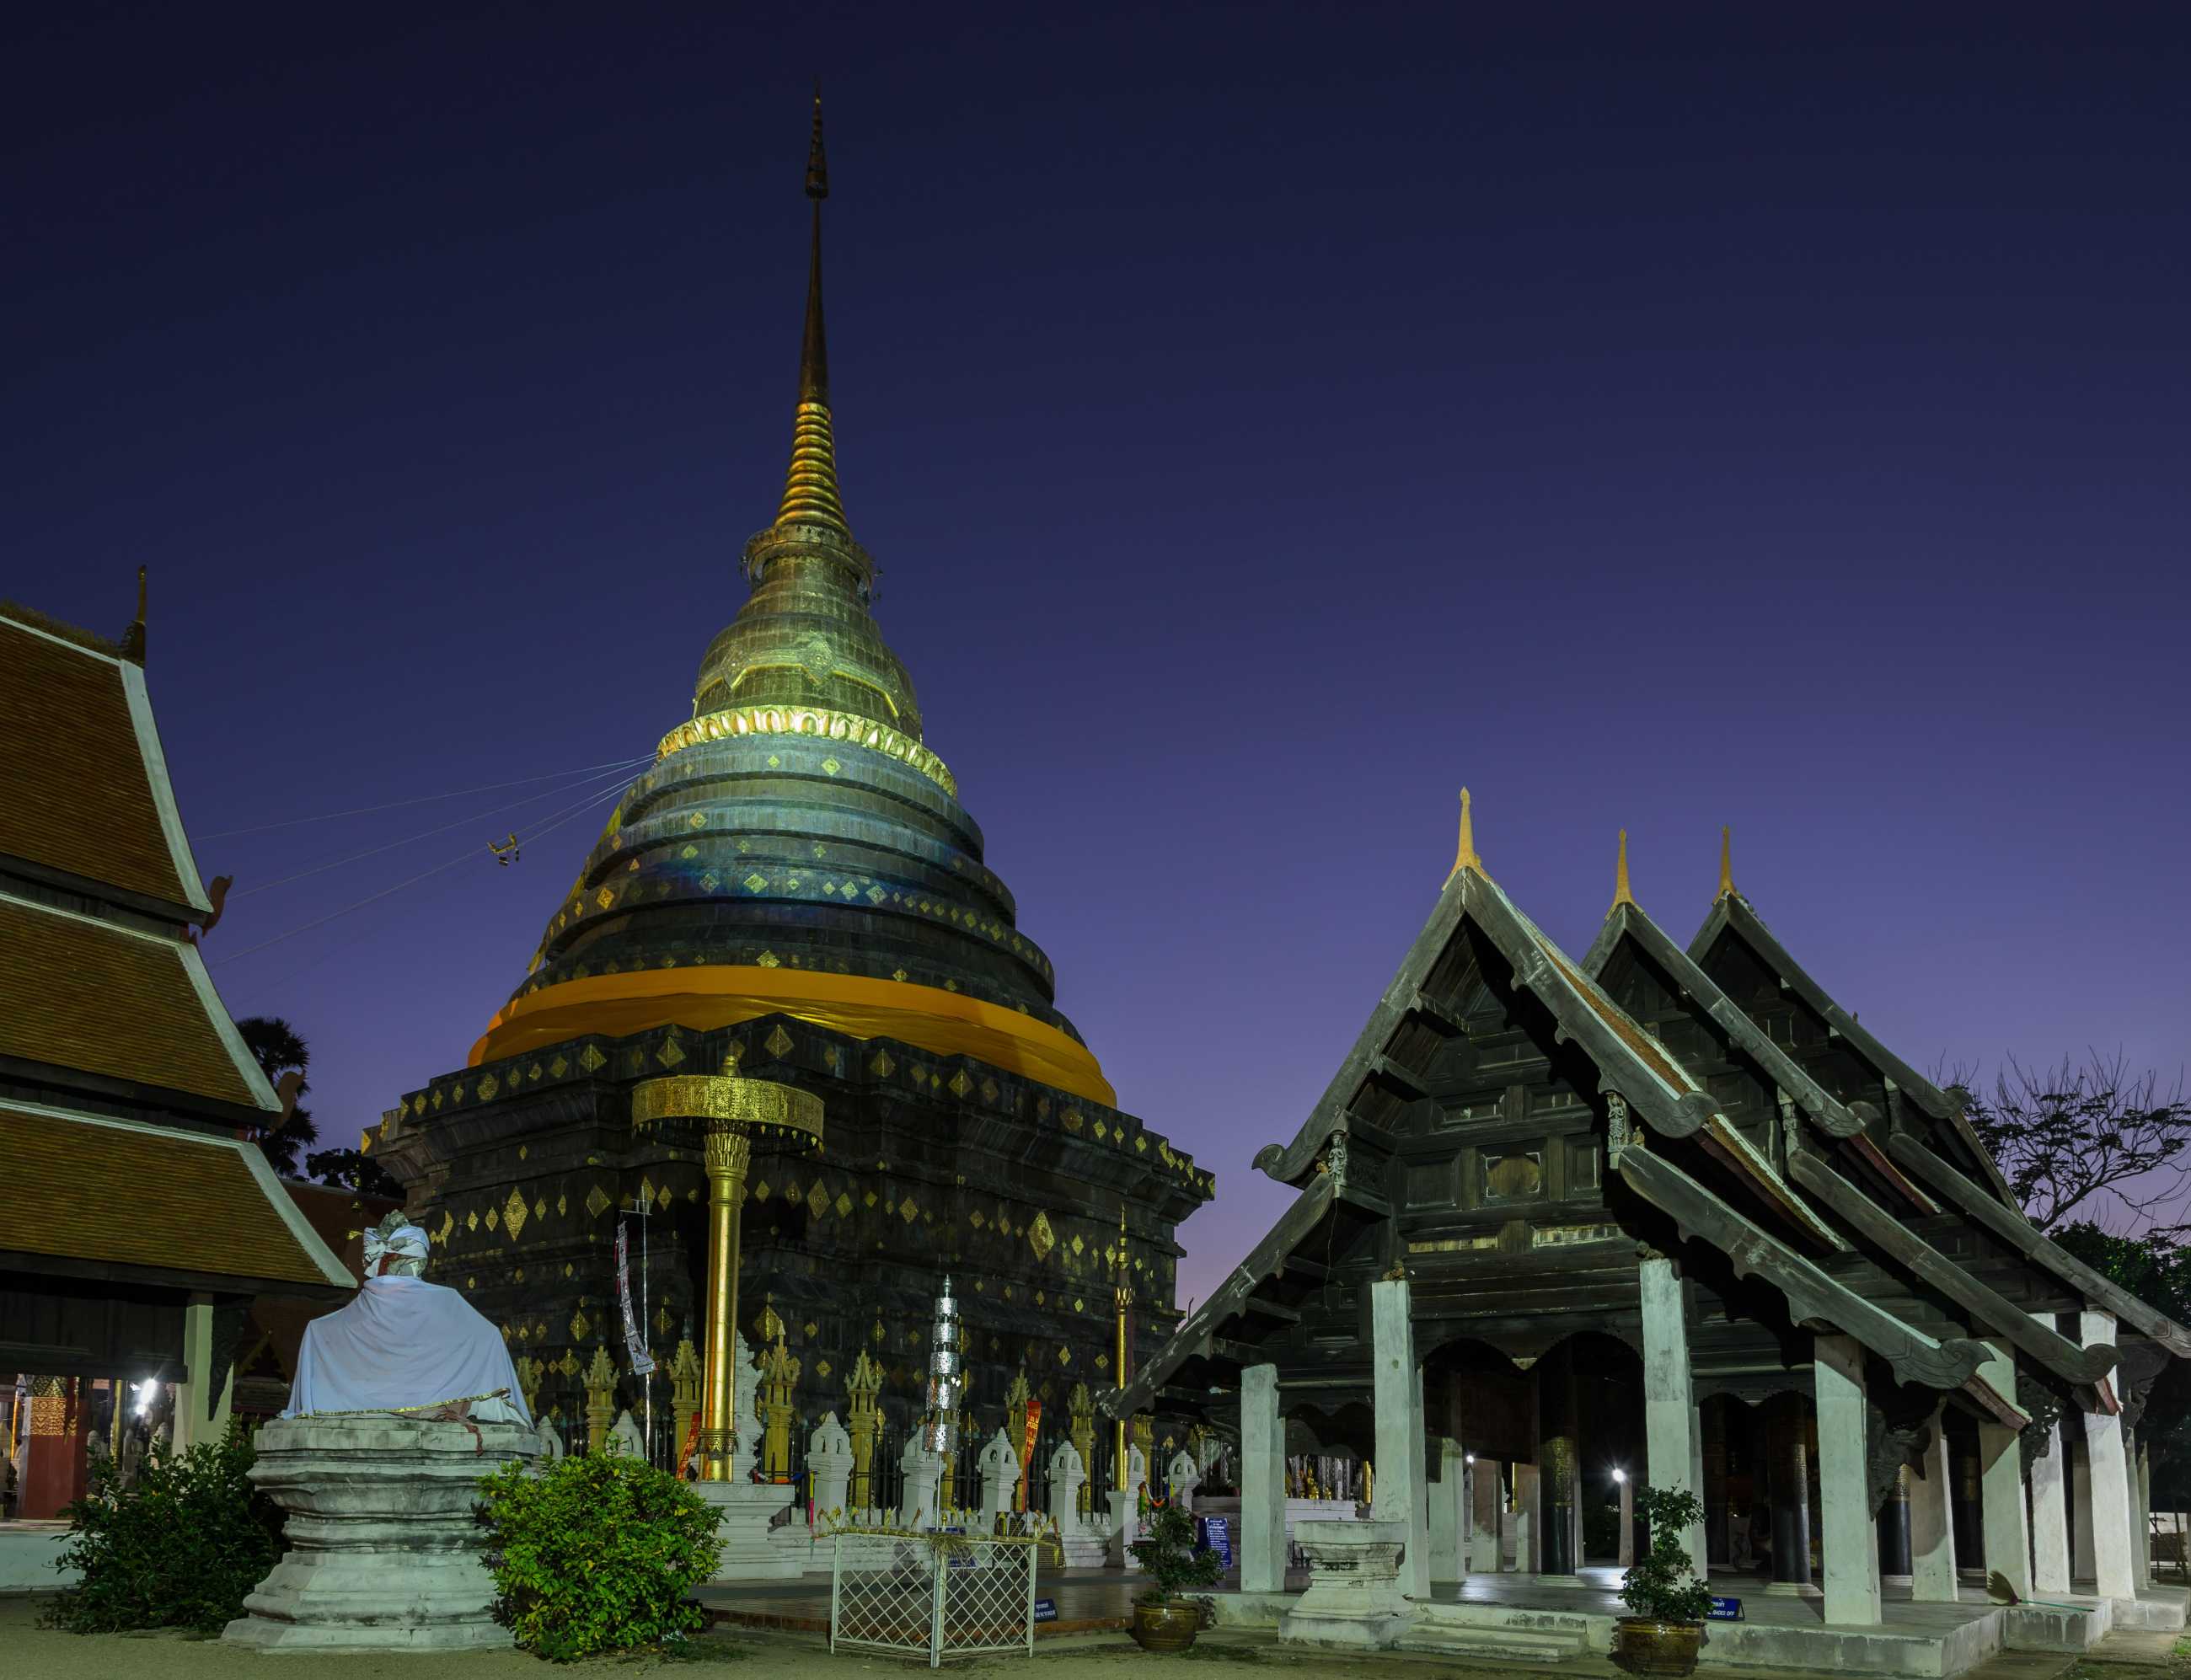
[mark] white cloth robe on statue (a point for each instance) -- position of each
(402, 1342)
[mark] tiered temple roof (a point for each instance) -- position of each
(1511, 1123)
(125, 1088)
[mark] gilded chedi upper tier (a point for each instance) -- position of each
(796, 847)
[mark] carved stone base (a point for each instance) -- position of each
(750, 1551)
(384, 1553)
(1355, 1599)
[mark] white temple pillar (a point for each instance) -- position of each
(1449, 1497)
(2081, 1567)
(1848, 1536)
(1673, 1436)
(1486, 1546)
(201, 1415)
(1931, 1523)
(1398, 1399)
(2050, 1515)
(2001, 1479)
(2141, 1473)
(2112, 1512)
(2050, 1507)
(1526, 1485)
(1627, 1554)
(1262, 1482)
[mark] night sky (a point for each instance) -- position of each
(1267, 420)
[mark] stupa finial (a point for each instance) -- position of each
(1621, 896)
(809, 490)
(1466, 856)
(1725, 862)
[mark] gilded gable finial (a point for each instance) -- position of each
(1465, 855)
(1726, 862)
(133, 638)
(1621, 896)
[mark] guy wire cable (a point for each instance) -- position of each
(427, 834)
(425, 798)
(470, 852)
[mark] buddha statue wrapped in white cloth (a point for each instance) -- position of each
(405, 1345)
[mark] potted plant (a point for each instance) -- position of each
(1164, 1618)
(1666, 1600)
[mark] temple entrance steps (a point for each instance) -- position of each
(1465, 1632)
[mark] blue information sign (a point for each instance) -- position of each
(1045, 1610)
(1217, 1536)
(1724, 1609)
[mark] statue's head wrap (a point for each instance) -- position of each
(400, 1243)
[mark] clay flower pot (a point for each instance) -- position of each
(1646, 1645)
(1165, 1628)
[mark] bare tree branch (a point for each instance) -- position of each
(2064, 1137)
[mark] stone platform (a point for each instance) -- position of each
(1514, 1618)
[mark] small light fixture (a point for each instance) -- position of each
(1468, 1458)
(1618, 1474)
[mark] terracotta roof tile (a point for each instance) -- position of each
(137, 1196)
(75, 793)
(96, 998)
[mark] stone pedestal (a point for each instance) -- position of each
(750, 1549)
(1356, 1596)
(384, 1553)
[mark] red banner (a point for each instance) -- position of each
(691, 1445)
(1026, 1449)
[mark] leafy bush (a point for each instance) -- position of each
(1168, 1557)
(1664, 1585)
(177, 1549)
(595, 1553)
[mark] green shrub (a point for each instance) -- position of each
(178, 1549)
(1664, 1585)
(1170, 1559)
(595, 1553)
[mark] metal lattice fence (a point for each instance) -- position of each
(936, 1596)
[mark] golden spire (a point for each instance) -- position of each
(1621, 896)
(1726, 864)
(810, 489)
(1466, 856)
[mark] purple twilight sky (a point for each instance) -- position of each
(1267, 420)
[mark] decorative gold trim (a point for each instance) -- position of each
(809, 720)
(724, 1101)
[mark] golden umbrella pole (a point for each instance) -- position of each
(1124, 1475)
(732, 1113)
(728, 1151)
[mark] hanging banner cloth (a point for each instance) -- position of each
(635, 1344)
(403, 1342)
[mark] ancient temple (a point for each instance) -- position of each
(1669, 1211)
(794, 899)
(141, 1222)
